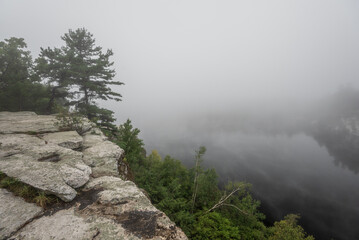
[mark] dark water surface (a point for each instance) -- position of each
(289, 173)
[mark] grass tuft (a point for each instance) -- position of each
(27, 192)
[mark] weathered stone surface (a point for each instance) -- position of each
(14, 213)
(103, 158)
(116, 191)
(42, 175)
(75, 176)
(27, 122)
(84, 125)
(67, 224)
(91, 139)
(70, 139)
(107, 207)
(43, 164)
(123, 202)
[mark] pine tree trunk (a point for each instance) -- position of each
(89, 115)
(194, 195)
(51, 101)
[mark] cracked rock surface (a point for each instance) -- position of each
(108, 208)
(43, 164)
(83, 171)
(14, 213)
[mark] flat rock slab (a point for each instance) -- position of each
(43, 165)
(14, 213)
(27, 122)
(71, 224)
(69, 139)
(116, 191)
(45, 176)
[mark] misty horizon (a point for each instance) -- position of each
(264, 85)
(178, 57)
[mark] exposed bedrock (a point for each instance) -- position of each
(81, 168)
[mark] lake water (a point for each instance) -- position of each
(289, 173)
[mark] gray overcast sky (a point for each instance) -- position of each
(181, 56)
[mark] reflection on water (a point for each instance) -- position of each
(341, 143)
(300, 158)
(290, 174)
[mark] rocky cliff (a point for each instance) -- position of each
(85, 171)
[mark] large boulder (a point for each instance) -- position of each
(103, 158)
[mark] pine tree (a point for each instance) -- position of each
(129, 141)
(91, 70)
(85, 69)
(20, 89)
(52, 67)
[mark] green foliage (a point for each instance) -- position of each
(197, 171)
(51, 67)
(83, 67)
(171, 187)
(75, 76)
(244, 201)
(15, 60)
(19, 86)
(79, 71)
(214, 226)
(42, 200)
(102, 117)
(208, 191)
(127, 138)
(27, 192)
(288, 229)
(70, 120)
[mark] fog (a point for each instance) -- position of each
(247, 79)
(177, 57)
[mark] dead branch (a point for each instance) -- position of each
(223, 199)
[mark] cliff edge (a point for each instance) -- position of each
(85, 171)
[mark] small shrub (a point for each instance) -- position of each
(42, 200)
(27, 192)
(70, 121)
